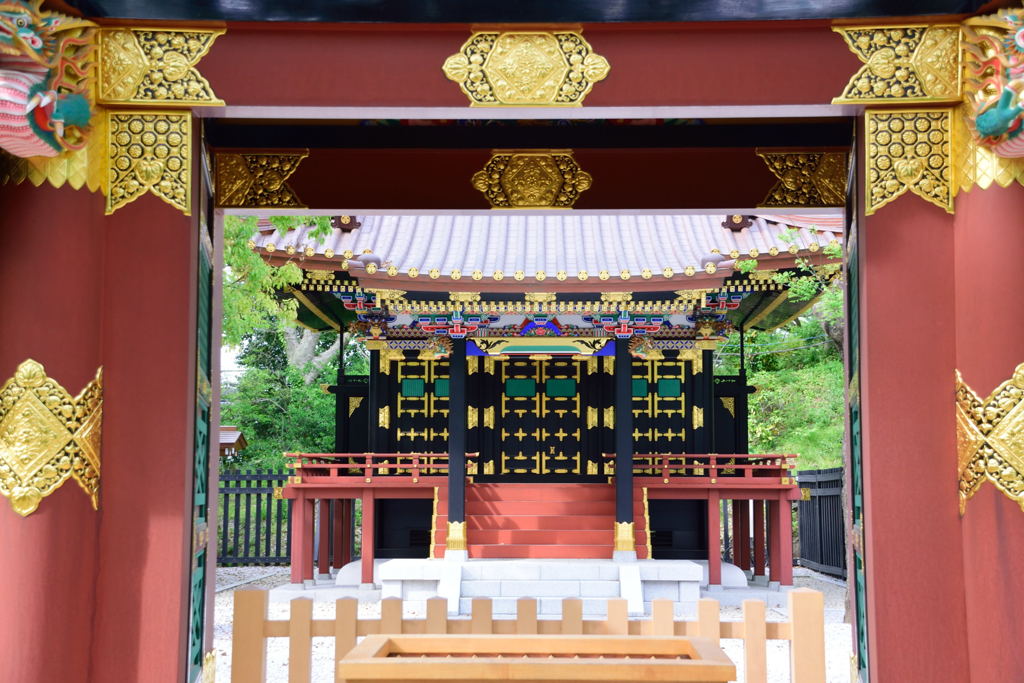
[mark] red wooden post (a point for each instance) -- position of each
(368, 535)
(743, 535)
(323, 556)
(714, 540)
(298, 540)
(774, 541)
(737, 542)
(758, 538)
(783, 522)
(338, 538)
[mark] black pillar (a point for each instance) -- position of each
(623, 432)
(457, 432)
(340, 414)
(373, 398)
(703, 402)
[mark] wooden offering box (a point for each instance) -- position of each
(534, 658)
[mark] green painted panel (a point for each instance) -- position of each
(670, 388)
(413, 387)
(517, 388)
(639, 388)
(441, 387)
(560, 387)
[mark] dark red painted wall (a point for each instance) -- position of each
(989, 243)
(51, 277)
(400, 66)
(914, 561)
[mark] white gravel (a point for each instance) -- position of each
(838, 644)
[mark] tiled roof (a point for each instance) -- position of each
(568, 247)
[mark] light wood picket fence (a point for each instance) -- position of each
(805, 629)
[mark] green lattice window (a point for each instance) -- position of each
(564, 387)
(639, 388)
(520, 388)
(670, 388)
(413, 387)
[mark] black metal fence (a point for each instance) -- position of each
(252, 524)
(821, 525)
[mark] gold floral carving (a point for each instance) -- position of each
(698, 417)
(978, 164)
(904, 64)
(540, 297)
(257, 180)
(149, 151)
(47, 436)
(532, 179)
(624, 538)
(806, 178)
(456, 538)
(154, 66)
(909, 150)
(990, 438)
(384, 417)
(526, 68)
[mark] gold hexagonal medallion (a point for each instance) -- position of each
(523, 179)
(526, 68)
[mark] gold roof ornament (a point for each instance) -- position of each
(903, 64)
(540, 179)
(256, 180)
(526, 68)
(805, 179)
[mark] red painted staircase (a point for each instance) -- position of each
(538, 521)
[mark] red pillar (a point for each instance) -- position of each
(914, 558)
(782, 522)
(714, 540)
(774, 537)
(50, 312)
(989, 242)
(298, 537)
(759, 538)
(338, 539)
(743, 533)
(323, 554)
(369, 505)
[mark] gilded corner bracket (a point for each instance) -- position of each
(990, 438)
(47, 436)
(149, 151)
(625, 540)
(518, 179)
(526, 68)
(256, 180)
(909, 149)
(904, 64)
(806, 178)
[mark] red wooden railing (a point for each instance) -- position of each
(708, 468)
(326, 468)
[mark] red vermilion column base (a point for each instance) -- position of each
(714, 541)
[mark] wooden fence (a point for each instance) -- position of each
(805, 629)
(252, 524)
(821, 523)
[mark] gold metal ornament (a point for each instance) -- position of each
(698, 417)
(526, 68)
(517, 179)
(149, 151)
(46, 436)
(909, 150)
(990, 438)
(456, 538)
(154, 66)
(806, 178)
(904, 64)
(978, 164)
(384, 417)
(624, 538)
(256, 180)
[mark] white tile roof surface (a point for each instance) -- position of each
(550, 244)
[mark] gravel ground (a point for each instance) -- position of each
(837, 633)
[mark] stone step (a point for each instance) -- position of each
(546, 607)
(498, 588)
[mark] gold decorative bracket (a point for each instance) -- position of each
(909, 149)
(526, 68)
(518, 179)
(990, 438)
(256, 180)
(154, 66)
(904, 64)
(806, 178)
(47, 436)
(149, 151)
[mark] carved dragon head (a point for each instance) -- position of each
(26, 30)
(994, 46)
